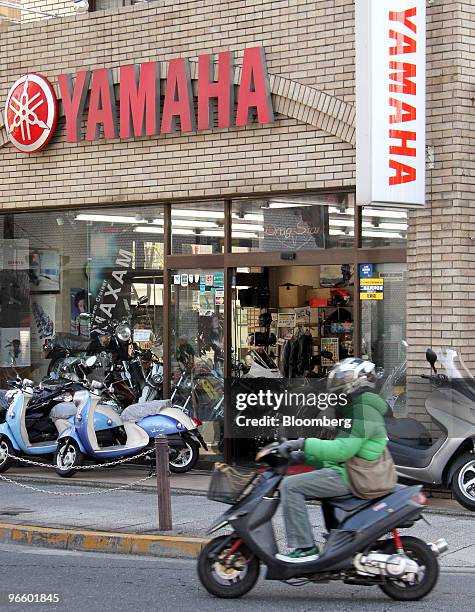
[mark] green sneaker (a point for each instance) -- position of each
(300, 555)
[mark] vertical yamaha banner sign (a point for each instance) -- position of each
(390, 102)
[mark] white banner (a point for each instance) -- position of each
(390, 102)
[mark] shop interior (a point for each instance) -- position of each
(293, 321)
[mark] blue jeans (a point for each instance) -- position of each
(295, 490)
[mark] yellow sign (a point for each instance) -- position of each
(371, 288)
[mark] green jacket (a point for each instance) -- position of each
(366, 439)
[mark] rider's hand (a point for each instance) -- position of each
(297, 457)
(287, 447)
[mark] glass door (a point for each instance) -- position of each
(197, 350)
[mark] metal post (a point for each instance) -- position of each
(163, 484)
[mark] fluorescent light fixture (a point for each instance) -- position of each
(381, 213)
(337, 211)
(340, 232)
(386, 226)
(105, 218)
(259, 218)
(235, 234)
(342, 222)
(275, 204)
(193, 223)
(196, 214)
(374, 234)
(148, 229)
(247, 227)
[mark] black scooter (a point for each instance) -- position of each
(356, 551)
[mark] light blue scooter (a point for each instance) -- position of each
(139, 424)
(14, 439)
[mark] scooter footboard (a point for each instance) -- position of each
(258, 526)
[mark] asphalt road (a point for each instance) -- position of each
(112, 583)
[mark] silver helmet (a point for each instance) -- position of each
(352, 375)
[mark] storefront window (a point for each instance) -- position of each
(383, 227)
(323, 221)
(197, 349)
(383, 331)
(57, 265)
(198, 228)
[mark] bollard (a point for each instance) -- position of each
(163, 484)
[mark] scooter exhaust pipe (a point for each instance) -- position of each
(439, 547)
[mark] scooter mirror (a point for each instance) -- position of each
(327, 355)
(143, 300)
(431, 357)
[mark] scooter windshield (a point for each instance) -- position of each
(458, 374)
(454, 365)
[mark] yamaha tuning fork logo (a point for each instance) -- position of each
(31, 112)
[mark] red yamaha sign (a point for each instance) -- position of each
(31, 112)
(140, 111)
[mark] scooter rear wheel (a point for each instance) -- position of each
(421, 553)
(227, 577)
(67, 458)
(186, 458)
(463, 485)
(7, 454)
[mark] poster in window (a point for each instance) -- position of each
(44, 271)
(43, 309)
(15, 347)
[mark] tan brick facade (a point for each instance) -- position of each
(310, 146)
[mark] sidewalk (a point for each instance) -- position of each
(195, 482)
(127, 521)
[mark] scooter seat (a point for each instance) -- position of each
(70, 342)
(349, 503)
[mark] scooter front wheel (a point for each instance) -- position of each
(424, 582)
(67, 458)
(225, 572)
(186, 458)
(7, 454)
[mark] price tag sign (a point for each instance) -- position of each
(371, 288)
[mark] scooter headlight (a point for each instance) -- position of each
(123, 332)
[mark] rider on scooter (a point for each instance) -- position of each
(367, 439)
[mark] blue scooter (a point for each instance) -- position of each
(14, 431)
(140, 424)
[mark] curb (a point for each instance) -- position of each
(102, 541)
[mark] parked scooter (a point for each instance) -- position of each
(356, 551)
(34, 431)
(450, 460)
(141, 423)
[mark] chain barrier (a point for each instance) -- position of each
(84, 467)
(72, 494)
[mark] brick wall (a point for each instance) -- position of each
(307, 42)
(441, 252)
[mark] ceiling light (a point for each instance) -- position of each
(193, 223)
(248, 226)
(373, 234)
(205, 214)
(148, 229)
(390, 214)
(105, 218)
(276, 204)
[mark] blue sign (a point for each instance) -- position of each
(366, 270)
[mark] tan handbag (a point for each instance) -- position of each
(371, 479)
